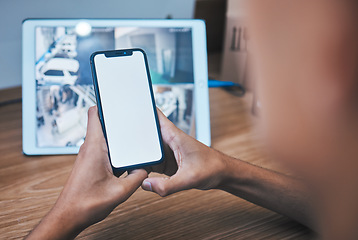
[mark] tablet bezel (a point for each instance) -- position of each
(201, 94)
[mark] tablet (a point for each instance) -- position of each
(57, 83)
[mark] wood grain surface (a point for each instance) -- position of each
(29, 186)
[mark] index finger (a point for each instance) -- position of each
(94, 127)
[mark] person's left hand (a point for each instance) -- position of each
(91, 191)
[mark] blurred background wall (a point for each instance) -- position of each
(213, 12)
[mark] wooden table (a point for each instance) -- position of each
(29, 186)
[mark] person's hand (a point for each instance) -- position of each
(91, 191)
(187, 164)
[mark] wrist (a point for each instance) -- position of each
(57, 224)
(236, 171)
(67, 219)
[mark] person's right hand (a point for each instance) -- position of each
(187, 164)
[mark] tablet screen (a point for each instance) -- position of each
(64, 82)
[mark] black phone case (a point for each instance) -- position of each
(124, 53)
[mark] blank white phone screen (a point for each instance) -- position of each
(127, 107)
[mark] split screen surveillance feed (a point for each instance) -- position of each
(64, 81)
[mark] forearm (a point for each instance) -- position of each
(57, 224)
(277, 192)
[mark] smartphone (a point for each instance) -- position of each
(126, 108)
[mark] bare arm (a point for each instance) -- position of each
(275, 191)
(91, 191)
(190, 164)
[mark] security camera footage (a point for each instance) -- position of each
(64, 81)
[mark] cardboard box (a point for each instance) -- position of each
(234, 66)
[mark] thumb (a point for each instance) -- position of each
(129, 184)
(165, 186)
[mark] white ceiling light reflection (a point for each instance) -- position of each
(83, 29)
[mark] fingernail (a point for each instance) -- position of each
(147, 186)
